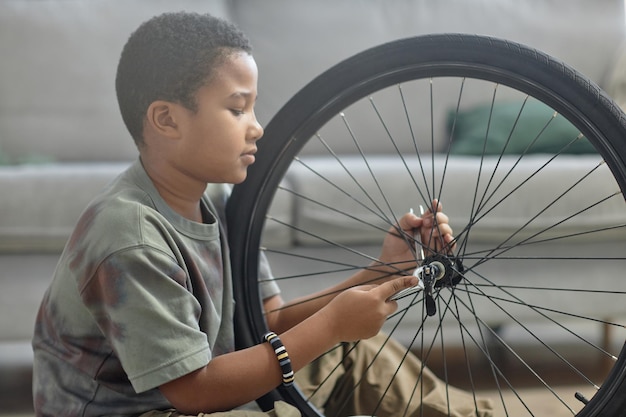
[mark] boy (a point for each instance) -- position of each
(138, 318)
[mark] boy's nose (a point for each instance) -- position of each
(256, 131)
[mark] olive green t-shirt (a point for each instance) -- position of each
(140, 296)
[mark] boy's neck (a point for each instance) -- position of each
(191, 212)
(179, 192)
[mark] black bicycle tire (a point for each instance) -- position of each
(531, 71)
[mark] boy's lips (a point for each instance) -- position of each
(249, 157)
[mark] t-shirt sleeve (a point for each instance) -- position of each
(140, 301)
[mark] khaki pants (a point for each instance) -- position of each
(344, 393)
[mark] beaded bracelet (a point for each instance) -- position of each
(282, 356)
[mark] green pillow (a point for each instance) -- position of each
(5, 159)
(470, 130)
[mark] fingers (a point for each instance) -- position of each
(389, 288)
(440, 244)
(436, 232)
(441, 220)
(434, 205)
(434, 225)
(410, 221)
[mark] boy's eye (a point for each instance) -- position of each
(236, 112)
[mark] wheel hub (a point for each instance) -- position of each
(439, 271)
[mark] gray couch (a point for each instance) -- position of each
(61, 138)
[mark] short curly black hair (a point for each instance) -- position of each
(169, 57)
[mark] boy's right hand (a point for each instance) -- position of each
(360, 312)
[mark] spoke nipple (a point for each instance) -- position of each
(581, 398)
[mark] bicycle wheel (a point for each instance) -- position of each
(535, 292)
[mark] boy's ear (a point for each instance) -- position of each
(163, 118)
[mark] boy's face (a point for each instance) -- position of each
(219, 140)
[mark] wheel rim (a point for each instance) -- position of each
(491, 318)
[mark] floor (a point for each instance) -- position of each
(528, 400)
(541, 402)
(533, 400)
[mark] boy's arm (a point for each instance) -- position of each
(234, 379)
(281, 316)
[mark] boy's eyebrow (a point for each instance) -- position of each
(245, 94)
(242, 94)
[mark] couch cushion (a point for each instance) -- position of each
(41, 203)
(504, 219)
(46, 201)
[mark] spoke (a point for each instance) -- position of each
(418, 154)
(423, 356)
(402, 158)
(476, 219)
(333, 209)
(432, 135)
(529, 239)
(313, 274)
(521, 156)
(449, 141)
(514, 353)
(443, 350)
(499, 249)
(361, 379)
(349, 266)
(371, 172)
(335, 368)
(577, 234)
(350, 196)
(339, 245)
(473, 210)
(463, 244)
(465, 351)
(539, 309)
(523, 287)
(475, 255)
(465, 331)
(530, 332)
(484, 201)
(398, 152)
(407, 351)
(536, 308)
(486, 349)
(525, 152)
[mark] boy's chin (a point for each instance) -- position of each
(240, 178)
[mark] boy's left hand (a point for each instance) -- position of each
(435, 233)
